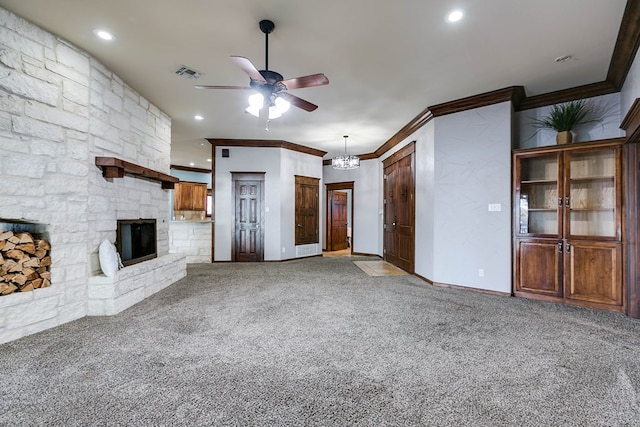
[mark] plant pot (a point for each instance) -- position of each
(564, 137)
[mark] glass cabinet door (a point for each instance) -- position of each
(591, 197)
(538, 197)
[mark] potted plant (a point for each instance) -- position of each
(563, 118)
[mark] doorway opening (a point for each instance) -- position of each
(340, 225)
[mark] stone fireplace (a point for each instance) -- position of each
(59, 110)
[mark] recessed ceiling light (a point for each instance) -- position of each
(103, 34)
(199, 117)
(192, 164)
(208, 160)
(454, 16)
(564, 58)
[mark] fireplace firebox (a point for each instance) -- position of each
(136, 240)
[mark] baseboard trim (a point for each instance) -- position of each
(464, 288)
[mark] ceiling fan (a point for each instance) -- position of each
(270, 85)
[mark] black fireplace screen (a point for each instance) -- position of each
(136, 241)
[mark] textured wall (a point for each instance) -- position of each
(631, 88)
(59, 109)
(472, 160)
(528, 136)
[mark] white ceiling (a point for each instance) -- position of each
(386, 60)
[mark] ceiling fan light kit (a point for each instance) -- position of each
(270, 85)
(345, 161)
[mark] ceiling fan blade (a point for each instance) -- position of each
(248, 68)
(306, 81)
(298, 102)
(220, 87)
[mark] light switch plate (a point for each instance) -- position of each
(495, 207)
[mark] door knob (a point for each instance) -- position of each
(299, 225)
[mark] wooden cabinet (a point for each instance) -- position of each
(189, 196)
(568, 241)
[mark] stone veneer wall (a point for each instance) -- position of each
(192, 239)
(59, 109)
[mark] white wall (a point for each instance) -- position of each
(472, 160)
(59, 109)
(367, 203)
(296, 163)
(246, 159)
(527, 136)
(425, 200)
(631, 88)
(281, 166)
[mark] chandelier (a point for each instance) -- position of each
(345, 161)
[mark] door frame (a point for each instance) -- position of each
(329, 188)
(247, 176)
(406, 151)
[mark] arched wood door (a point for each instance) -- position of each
(399, 208)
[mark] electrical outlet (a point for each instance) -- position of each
(283, 249)
(481, 272)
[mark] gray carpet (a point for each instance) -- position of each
(318, 342)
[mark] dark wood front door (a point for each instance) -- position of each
(399, 209)
(248, 239)
(339, 221)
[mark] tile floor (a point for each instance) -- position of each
(379, 268)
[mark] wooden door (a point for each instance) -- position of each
(248, 239)
(538, 266)
(339, 221)
(399, 209)
(307, 193)
(594, 272)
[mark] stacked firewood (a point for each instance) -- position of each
(24, 262)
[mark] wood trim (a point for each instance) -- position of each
(116, 168)
(266, 143)
(569, 301)
(347, 185)
(405, 151)
(410, 128)
(577, 146)
(566, 95)
(632, 232)
(626, 46)
(631, 122)
(469, 288)
(190, 169)
(514, 94)
(329, 188)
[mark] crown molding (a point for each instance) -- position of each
(265, 143)
(189, 169)
(565, 95)
(626, 45)
(631, 122)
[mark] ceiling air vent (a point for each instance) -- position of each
(188, 73)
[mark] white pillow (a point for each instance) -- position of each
(108, 258)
